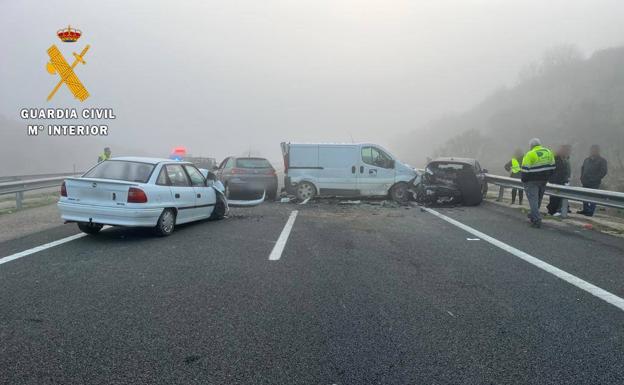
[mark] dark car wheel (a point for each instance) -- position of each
(90, 228)
(166, 223)
(272, 194)
(220, 209)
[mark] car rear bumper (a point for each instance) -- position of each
(244, 185)
(116, 216)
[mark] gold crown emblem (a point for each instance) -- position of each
(69, 34)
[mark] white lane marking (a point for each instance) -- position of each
(571, 279)
(276, 253)
(40, 248)
(472, 239)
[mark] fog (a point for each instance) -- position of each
(233, 77)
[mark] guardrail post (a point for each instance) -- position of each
(501, 192)
(564, 208)
(19, 196)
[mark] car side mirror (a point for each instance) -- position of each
(391, 163)
(485, 171)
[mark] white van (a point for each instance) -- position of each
(361, 169)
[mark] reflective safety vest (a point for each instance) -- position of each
(515, 166)
(103, 157)
(538, 159)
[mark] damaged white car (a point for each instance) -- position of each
(143, 192)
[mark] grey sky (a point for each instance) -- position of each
(224, 76)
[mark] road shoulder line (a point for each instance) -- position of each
(571, 279)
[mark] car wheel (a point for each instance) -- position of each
(399, 192)
(305, 190)
(272, 194)
(166, 223)
(220, 209)
(90, 228)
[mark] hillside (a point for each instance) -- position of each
(562, 99)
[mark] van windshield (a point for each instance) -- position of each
(121, 170)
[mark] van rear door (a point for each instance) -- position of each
(338, 169)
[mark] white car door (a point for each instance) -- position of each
(183, 193)
(205, 197)
(376, 173)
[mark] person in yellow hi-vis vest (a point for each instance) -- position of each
(106, 155)
(514, 168)
(537, 166)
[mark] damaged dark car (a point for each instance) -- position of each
(452, 181)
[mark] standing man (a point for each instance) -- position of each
(537, 167)
(561, 175)
(593, 170)
(106, 155)
(513, 167)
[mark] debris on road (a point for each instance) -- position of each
(349, 202)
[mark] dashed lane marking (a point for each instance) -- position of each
(276, 253)
(571, 279)
(46, 246)
(40, 248)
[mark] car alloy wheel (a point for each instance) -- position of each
(167, 221)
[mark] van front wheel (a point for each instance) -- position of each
(399, 192)
(305, 190)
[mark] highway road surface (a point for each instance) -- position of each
(331, 294)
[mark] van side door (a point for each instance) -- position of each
(376, 173)
(338, 169)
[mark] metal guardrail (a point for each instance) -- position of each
(20, 186)
(581, 194)
(11, 178)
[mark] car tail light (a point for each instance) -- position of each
(63, 189)
(136, 195)
(270, 172)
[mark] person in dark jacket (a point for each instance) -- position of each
(561, 175)
(593, 170)
(514, 169)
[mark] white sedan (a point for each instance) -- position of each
(143, 192)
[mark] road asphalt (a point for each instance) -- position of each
(361, 294)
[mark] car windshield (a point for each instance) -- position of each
(121, 170)
(252, 163)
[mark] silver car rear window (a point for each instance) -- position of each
(121, 170)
